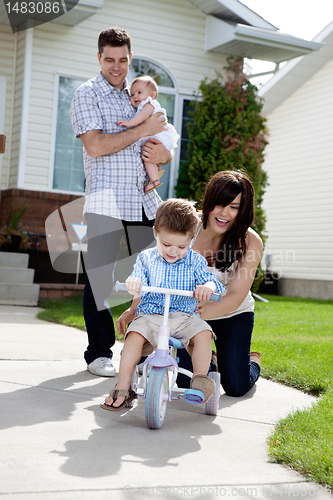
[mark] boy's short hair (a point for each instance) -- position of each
(115, 37)
(177, 215)
(150, 81)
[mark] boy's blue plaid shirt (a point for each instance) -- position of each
(185, 274)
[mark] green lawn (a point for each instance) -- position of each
(296, 340)
(68, 312)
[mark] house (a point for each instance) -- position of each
(41, 65)
(299, 162)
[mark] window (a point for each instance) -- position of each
(68, 174)
(140, 67)
(187, 107)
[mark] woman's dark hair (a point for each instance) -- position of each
(222, 189)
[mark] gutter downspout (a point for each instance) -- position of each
(29, 40)
(11, 127)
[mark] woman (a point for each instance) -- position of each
(233, 252)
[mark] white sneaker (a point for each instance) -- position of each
(102, 367)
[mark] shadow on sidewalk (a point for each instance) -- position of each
(124, 438)
(117, 438)
(50, 401)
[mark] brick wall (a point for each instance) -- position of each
(40, 204)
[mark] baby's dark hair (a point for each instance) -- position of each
(177, 215)
(150, 81)
(115, 37)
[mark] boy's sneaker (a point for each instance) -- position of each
(102, 367)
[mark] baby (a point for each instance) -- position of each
(144, 91)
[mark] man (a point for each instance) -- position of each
(115, 204)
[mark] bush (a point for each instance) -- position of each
(226, 132)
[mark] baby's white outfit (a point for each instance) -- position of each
(169, 137)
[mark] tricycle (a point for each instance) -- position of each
(160, 369)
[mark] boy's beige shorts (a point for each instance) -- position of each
(183, 326)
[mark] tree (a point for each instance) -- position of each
(226, 132)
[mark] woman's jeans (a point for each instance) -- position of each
(233, 344)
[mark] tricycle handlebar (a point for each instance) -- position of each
(143, 288)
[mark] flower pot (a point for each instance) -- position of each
(11, 243)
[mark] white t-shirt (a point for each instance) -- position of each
(225, 277)
(169, 137)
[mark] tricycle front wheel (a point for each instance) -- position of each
(157, 397)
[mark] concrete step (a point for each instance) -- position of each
(12, 259)
(16, 275)
(19, 294)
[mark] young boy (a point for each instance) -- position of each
(171, 264)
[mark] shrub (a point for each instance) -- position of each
(226, 132)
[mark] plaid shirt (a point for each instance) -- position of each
(115, 182)
(185, 274)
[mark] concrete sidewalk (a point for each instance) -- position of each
(56, 443)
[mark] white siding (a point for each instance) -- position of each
(299, 162)
(7, 58)
(170, 32)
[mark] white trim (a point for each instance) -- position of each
(63, 191)
(250, 33)
(295, 73)
(239, 11)
(29, 41)
(59, 72)
(3, 89)
(53, 128)
(166, 90)
(98, 4)
(248, 14)
(279, 75)
(256, 43)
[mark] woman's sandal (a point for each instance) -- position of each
(204, 384)
(153, 183)
(128, 395)
(160, 172)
